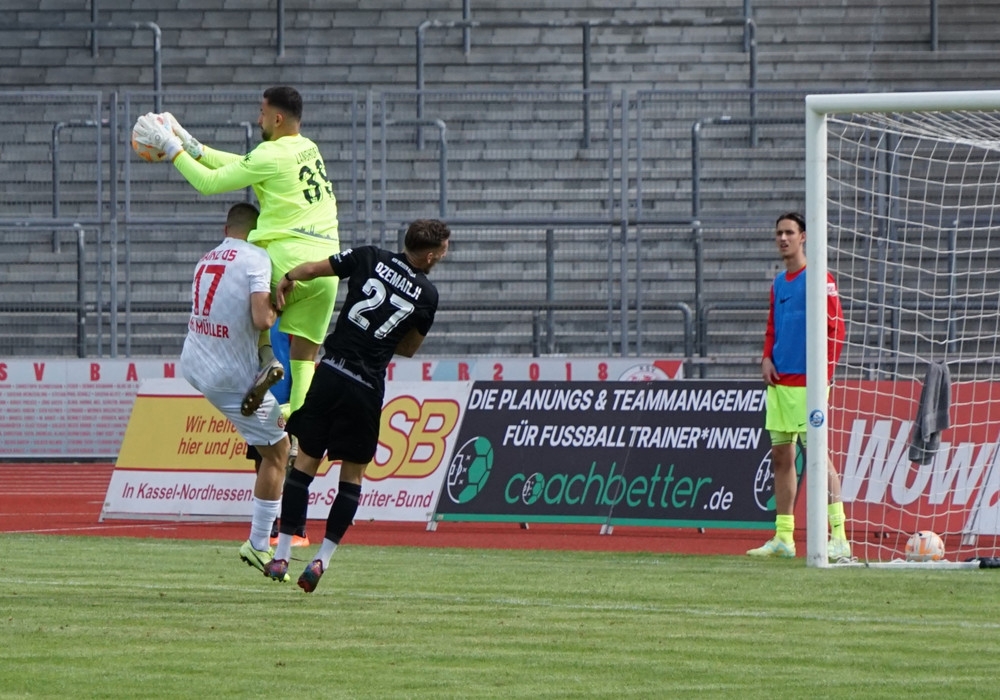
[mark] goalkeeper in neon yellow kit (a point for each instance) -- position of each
(298, 220)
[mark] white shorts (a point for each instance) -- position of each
(265, 427)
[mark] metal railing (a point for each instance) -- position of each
(543, 331)
(442, 157)
(586, 26)
(932, 20)
(279, 26)
(279, 29)
(98, 159)
(467, 15)
(94, 27)
(78, 306)
(747, 14)
(696, 130)
(634, 318)
(697, 230)
(934, 24)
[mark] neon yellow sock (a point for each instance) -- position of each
(302, 375)
(784, 528)
(835, 514)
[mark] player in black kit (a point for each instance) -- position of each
(389, 309)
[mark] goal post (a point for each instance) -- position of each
(903, 208)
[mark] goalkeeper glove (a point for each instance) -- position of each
(190, 143)
(151, 129)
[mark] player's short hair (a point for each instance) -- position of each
(426, 234)
(285, 99)
(242, 216)
(793, 216)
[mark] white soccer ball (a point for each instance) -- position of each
(924, 546)
(145, 151)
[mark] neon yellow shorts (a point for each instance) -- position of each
(786, 414)
(309, 308)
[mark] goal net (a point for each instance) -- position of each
(903, 208)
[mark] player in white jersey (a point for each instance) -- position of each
(231, 305)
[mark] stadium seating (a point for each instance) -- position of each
(510, 154)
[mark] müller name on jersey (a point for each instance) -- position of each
(202, 327)
(397, 280)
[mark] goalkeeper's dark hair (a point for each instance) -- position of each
(426, 234)
(793, 216)
(285, 99)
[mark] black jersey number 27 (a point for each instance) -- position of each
(369, 310)
(317, 181)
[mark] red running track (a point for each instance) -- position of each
(66, 499)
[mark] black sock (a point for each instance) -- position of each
(300, 531)
(294, 500)
(343, 510)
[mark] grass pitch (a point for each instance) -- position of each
(85, 617)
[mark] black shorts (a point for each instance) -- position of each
(340, 417)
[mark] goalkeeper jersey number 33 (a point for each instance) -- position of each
(289, 177)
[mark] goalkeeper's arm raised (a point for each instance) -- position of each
(241, 172)
(190, 143)
(210, 157)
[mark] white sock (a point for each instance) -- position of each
(325, 552)
(284, 548)
(264, 513)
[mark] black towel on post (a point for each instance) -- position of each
(932, 413)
